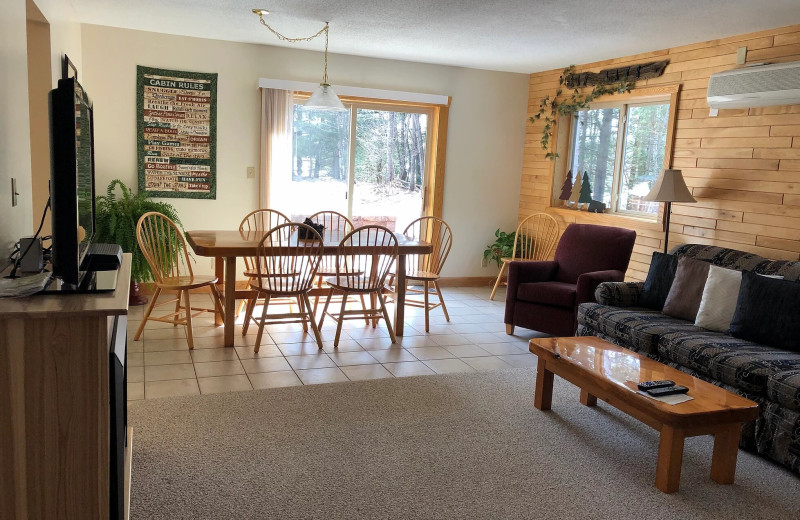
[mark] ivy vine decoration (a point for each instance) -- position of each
(551, 108)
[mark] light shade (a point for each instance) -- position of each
(325, 98)
(670, 187)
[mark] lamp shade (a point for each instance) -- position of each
(670, 187)
(325, 98)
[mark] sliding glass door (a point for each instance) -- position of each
(368, 163)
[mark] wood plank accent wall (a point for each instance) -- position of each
(743, 166)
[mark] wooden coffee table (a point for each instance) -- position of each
(609, 372)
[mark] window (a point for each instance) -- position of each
(621, 146)
(369, 163)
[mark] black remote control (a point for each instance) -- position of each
(661, 392)
(649, 385)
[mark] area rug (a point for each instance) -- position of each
(446, 446)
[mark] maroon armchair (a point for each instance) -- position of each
(544, 296)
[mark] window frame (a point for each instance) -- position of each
(436, 137)
(636, 97)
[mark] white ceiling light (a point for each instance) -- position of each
(323, 97)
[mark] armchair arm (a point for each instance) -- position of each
(619, 294)
(588, 282)
(525, 272)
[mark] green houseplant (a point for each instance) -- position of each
(116, 224)
(502, 247)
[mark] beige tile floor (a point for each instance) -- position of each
(160, 364)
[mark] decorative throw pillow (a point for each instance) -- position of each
(686, 292)
(766, 312)
(719, 299)
(659, 280)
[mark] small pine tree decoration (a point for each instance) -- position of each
(566, 189)
(585, 196)
(576, 191)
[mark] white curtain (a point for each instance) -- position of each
(277, 108)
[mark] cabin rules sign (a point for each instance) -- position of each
(176, 137)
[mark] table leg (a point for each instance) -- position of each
(230, 299)
(400, 296)
(726, 449)
(543, 396)
(219, 272)
(587, 398)
(670, 459)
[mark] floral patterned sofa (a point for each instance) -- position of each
(766, 375)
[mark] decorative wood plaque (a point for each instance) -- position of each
(636, 72)
(176, 138)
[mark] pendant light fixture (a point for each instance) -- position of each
(323, 96)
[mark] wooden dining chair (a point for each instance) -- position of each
(285, 268)
(164, 248)
(426, 268)
(535, 238)
(337, 226)
(363, 261)
(260, 221)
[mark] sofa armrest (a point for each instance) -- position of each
(619, 294)
(525, 272)
(588, 282)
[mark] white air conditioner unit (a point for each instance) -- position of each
(758, 86)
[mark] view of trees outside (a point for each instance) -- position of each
(643, 159)
(389, 165)
(594, 150)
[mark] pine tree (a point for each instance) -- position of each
(576, 191)
(566, 189)
(586, 190)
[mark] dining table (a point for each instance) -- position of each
(225, 246)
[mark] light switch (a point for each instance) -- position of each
(14, 194)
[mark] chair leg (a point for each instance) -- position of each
(316, 298)
(373, 305)
(509, 329)
(441, 300)
(497, 282)
(217, 297)
(388, 321)
(340, 320)
(177, 308)
(188, 318)
(310, 314)
(325, 308)
(240, 306)
(364, 306)
(248, 314)
(303, 310)
(261, 323)
(427, 309)
(147, 312)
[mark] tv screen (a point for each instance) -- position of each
(72, 178)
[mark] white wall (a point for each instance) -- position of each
(485, 137)
(15, 156)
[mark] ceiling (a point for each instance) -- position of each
(505, 35)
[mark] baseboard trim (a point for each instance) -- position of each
(466, 281)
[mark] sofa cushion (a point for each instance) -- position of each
(659, 280)
(784, 389)
(559, 294)
(635, 328)
(684, 296)
(719, 299)
(733, 361)
(767, 311)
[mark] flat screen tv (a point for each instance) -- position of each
(71, 179)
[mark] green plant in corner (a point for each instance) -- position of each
(116, 223)
(502, 247)
(551, 108)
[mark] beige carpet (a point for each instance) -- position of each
(450, 446)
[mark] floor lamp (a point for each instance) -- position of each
(669, 187)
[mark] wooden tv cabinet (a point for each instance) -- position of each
(56, 377)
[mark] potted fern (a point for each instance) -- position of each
(116, 224)
(502, 247)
